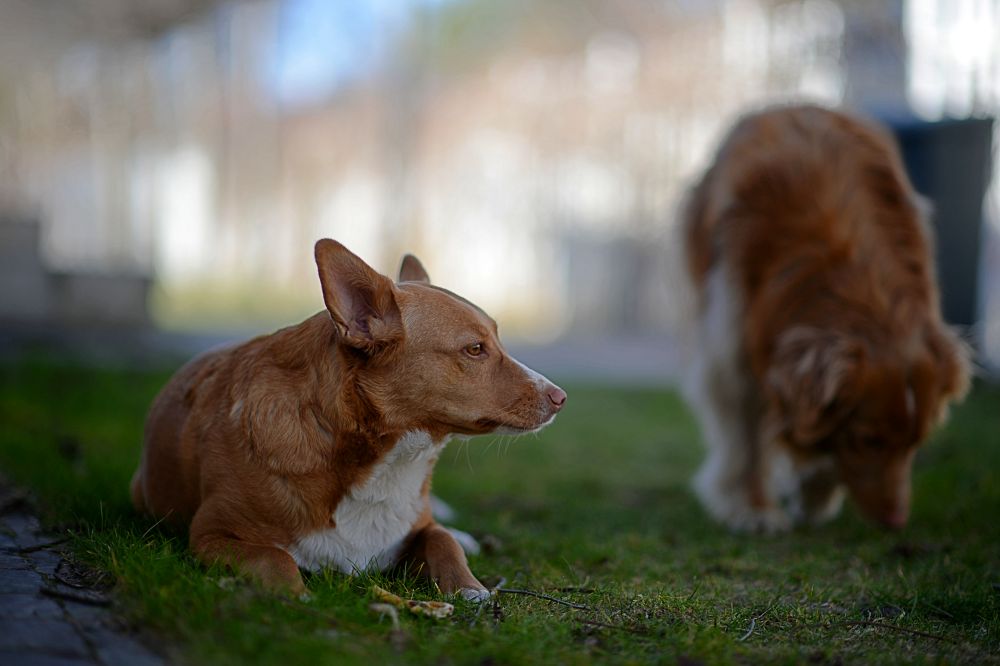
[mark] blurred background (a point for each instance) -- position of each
(166, 165)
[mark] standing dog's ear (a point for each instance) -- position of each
(940, 375)
(361, 302)
(411, 270)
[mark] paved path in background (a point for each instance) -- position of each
(627, 361)
(49, 614)
(648, 359)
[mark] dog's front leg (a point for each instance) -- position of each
(271, 566)
(435, 553)
(734, 482)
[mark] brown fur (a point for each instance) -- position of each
(254, 446)
(812, 216)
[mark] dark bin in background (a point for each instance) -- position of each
(950, 163)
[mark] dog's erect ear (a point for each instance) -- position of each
(811, 375)
(361, 302)
(411, 270)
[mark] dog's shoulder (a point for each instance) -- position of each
(266, 393)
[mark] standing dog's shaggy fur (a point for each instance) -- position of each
(314, 446)
(823, 360)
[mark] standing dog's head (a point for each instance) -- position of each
(430, 358)
(869, 406)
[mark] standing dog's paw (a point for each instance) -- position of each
(734, 510)
(747, 519)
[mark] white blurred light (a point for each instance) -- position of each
(183, 232)
(352, 212)
(954, 56)
(612, 63)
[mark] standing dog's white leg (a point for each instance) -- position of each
(732, 483)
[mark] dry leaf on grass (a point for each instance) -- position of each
(435, 609)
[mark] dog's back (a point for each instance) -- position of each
(219, 405)
(804, 182)
(166, 483)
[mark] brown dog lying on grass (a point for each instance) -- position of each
(314, 446)
(822, 361)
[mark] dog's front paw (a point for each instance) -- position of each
(475, 595)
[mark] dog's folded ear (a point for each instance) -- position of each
(952, 359)
(411, 270)
(811, 370)
(940, 375)
(361, 301)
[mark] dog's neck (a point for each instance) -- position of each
(343, 391)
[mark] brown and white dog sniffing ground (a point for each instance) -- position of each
(314, 446)
(821, 359)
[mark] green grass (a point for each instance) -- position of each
(595, 510)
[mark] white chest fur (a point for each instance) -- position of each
(374, 517)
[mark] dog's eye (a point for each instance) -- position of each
(475, 349)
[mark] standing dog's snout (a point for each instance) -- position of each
(556, 396)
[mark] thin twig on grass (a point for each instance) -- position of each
(882, 625)
(940, 611)
(530, 593)
(157, 523)
(753, 625)
(621, 627)
(753, 620)
(694, 591)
